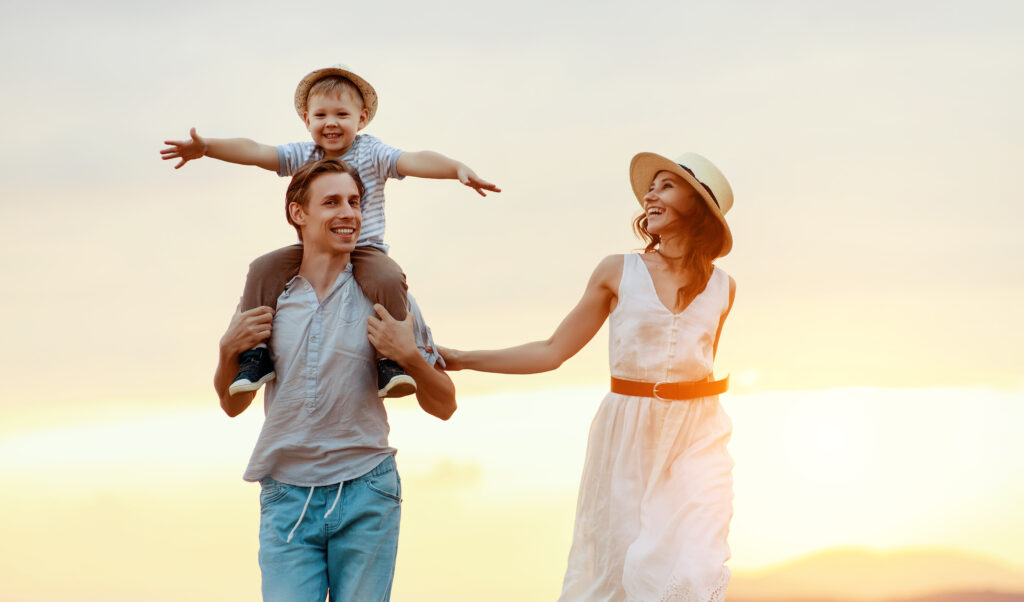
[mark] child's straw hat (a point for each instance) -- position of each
(302, 92)
(698, 172)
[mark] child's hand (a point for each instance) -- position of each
(186, 150)
(468, 177)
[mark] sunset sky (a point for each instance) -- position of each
(874, 150)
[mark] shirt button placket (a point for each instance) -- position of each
(672, 336)
(313, 353)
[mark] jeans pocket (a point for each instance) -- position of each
(388, 485)
(271, 491)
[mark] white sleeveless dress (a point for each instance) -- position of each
(656, 493)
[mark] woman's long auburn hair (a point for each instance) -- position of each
(706, 236)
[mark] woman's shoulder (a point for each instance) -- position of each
(728, 281)
(612, 264)
(721, 273)
(609, 271)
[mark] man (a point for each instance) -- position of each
(330, 499)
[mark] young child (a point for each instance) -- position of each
(335, 104)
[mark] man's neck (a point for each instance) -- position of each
(322, 269)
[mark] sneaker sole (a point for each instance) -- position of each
(400, 386)
(244, 386)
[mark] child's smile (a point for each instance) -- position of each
(333, 120)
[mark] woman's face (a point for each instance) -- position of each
(669, 203)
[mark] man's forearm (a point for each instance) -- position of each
(435, 391)
(394, 339)
(227, 368)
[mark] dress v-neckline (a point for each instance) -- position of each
(654, 289)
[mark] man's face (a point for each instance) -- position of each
(331, 220)
(334, 120)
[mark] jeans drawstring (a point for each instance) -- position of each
(301, 516)
(306, 506)
(336, 498)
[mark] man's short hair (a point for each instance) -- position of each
(298, 188)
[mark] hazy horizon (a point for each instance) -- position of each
(497, 503)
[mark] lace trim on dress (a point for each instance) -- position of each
(688, 592)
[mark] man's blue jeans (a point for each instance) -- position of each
(320, 540)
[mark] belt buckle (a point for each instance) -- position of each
(655, 390)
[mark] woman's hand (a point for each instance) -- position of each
(452, 358)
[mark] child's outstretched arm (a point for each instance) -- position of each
(428, 164)
(233, 150)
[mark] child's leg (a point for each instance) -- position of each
(383, 282)
(381, 279)
(268, 275)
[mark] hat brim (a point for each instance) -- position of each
(645, 166)
(302, 91)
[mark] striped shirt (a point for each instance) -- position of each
(375, 162)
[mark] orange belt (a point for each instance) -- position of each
(668, 391)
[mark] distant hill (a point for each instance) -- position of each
(967, 597)
(857, 575)
(979, 596)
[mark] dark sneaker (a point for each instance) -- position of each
(392, 381)
(254, 369)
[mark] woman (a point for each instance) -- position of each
(656, 493)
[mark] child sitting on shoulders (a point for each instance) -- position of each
(335, 104)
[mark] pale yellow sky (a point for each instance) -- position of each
(873, 150)
(489, 496)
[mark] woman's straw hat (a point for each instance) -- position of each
(302, 92)
(700, 173)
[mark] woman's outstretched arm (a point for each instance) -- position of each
(572, 334)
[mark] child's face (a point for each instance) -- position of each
(334, 119)
(669, 202)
